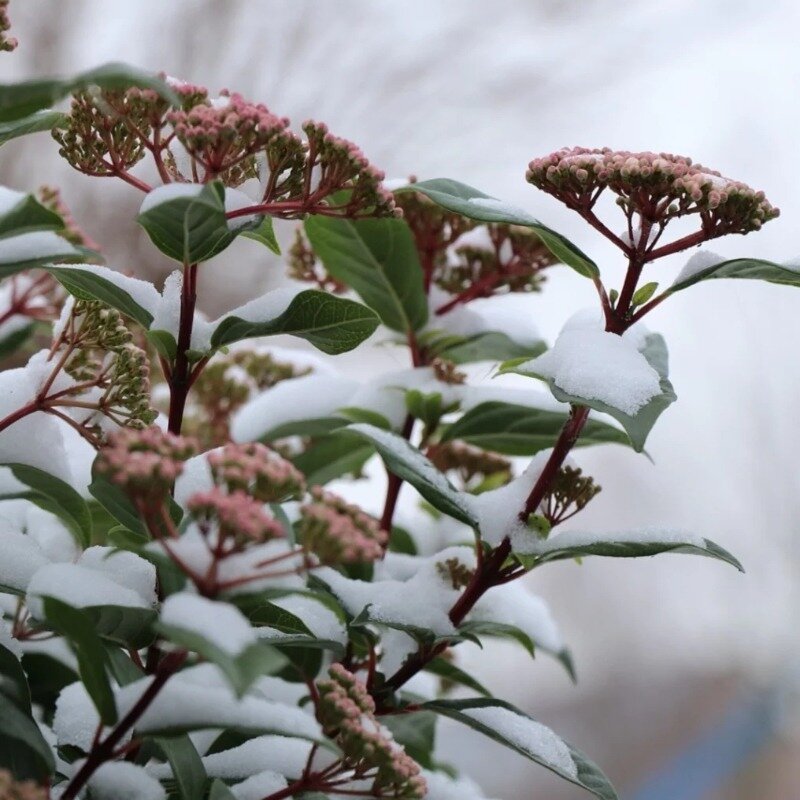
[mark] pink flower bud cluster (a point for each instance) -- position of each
(7, 43)
(337, 532)
(222, 134)
(347, 712)
(343, 166)
(11, 789)
(241, 519)
(255, 469)
(144, 463)
(659, 186)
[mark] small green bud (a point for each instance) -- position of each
(539, 525)
(644, 293)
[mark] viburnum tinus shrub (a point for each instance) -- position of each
(193, 605)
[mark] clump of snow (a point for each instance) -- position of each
(279, 754)
(498, 510)
(306, 397)
(196, 477)
(76, 719)
(169, 192)
(50, 533)
(592, 364)
(259, 786)
(122, 780)
(317, 617)
(513, 604)
(527, 734)
(701, 260)
(22, 558)
(222, 624)
(167, 315)
(34, 246)
(421, 601)
(125, 568)
(442, 787)
(265, 308)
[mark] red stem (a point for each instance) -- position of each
(180, 380)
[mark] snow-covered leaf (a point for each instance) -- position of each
(408, 463)
(78, 629)
(509, 726)
(488, 346)
(36, 122)
(518, 430)
(332, 324)
(474, 204)
(378, 259)
(37, 249)
(22, 213)
(624, 544)
(136, 299)
(221, 634)
(638, 423)
(54, 495)
(19, 100)
(709, 268)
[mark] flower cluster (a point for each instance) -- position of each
(239, 517)
(50, 197)
(255, 469)
(337, 532)
(447, 372)
(347, 712)
(144, 463)
(470, 462)
(7, 43)
(570, 492)
(304, 266)
(656, 186)
(224, 135)
(20, 790)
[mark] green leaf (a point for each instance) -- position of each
(448, 671)
(742, 269)
(13, 683)
(517, 430)
(58, 497)
(16, 340)
(332, 324)
(117, 503)
(190, 227)
(88, 285)
(489, 346)
(125, 625)
(19, 100)
(36, 122)
(78, 629)
(187, 766)
(378, 259)
(408, 463)
(23, 749)
(639, 425)
(473, 203)
(643, 294)
(242, 669)
(265, 234)
(511, 727)
(28, 216)
(477, 628)
(577, 545)
(331, 457)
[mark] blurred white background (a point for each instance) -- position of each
(473, 90)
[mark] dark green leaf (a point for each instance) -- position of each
(36, 122)
(331, 457)
(743, 269)
(78, 629)
(416, 732)
(219, 791)
(473, 203)
(187, 766)
(575, 767)
(406, 462)
(16, 340)
(568, 545)
(191, 227)
(23, 749)
(57, 497)
(448, 671)
(517, 430)
(86, 285)
(378, 259)
(29, 216)
(332, 324)
(19, 100)
(117, 503)
(640, 424)
(490, 346)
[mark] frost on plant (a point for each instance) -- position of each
(216, 620)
